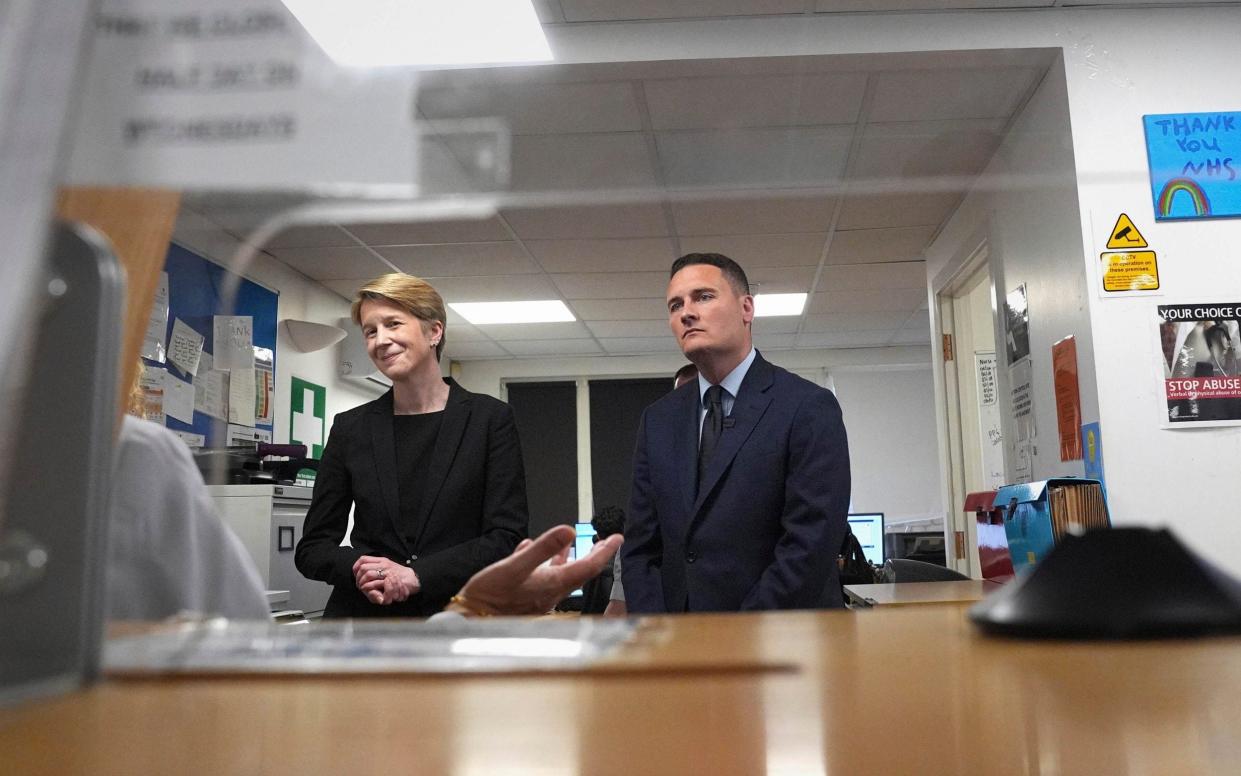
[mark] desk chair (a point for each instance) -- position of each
(906, 570)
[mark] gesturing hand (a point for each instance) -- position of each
(521, 584)
(383, 581)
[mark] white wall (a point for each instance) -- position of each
(1031, 227)
(893, 447)
(302, 299)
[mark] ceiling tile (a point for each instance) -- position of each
(330, 236)
(558, 347)
(850, 6)
(647, 308)
(616, 10)
(761, 250)
(856, 321)
(460, 259)
(765, 341)
(539, 108)
(871, 211)
(774, 212)
(853, 277)
(780, 280)
(432, 232)
(754, 157)
(503, 332)
(859, 246)
(927, 149)
(468, 351)
(780, 324)
(639, 346)
(754, 101)
(888, 300)
(460, 331)
(332, 263)
(588, 221)
(494, 288)
(845, 339)
(647, 328)
(346, 287)
(950, 94)
(570, 162)
(611, 285)
(650, 254)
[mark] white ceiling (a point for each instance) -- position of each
(828, 175)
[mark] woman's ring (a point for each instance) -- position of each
(380, 573)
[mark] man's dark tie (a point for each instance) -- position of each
(712, 427)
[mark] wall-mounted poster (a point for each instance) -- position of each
(1016, 325)
(1193, 160)
(1201, 362)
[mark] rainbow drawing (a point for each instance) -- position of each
(1202, 206)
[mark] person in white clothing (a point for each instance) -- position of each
(168, 550)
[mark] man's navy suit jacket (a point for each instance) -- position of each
(765, 530)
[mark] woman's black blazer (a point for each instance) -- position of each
(473, 513)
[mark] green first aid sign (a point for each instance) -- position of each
(308, 416)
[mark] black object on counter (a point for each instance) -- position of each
(1119, 583)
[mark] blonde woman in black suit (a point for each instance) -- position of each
(433, 472)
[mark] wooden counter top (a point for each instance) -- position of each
(901, 690)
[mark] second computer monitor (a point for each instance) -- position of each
(868, 528)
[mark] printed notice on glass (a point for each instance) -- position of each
(157, 323)
(185, 347)
(1200, 363)
(233, 336)
(234, 94)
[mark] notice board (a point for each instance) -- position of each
(194, 298)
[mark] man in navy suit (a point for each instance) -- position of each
(741, 478)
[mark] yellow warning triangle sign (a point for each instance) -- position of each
(1126, 235)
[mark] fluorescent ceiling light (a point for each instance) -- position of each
(771, 305)
(542, 311)
(380, 33)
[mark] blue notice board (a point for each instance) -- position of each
(1193, 159)
(194, 286)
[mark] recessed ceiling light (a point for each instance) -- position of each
(384, 33)
(541, 311)
(771, 305)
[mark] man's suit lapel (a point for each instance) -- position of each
(748, 409)
(383, 444)
(686, 451)
(452, 429)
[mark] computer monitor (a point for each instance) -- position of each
(585, 540)
(868, 528)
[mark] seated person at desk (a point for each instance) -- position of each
(168, 550)
(433, 472)
(597, 592)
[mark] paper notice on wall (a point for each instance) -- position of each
(244, 435)
(990, 436)
(150, 403)
(193, 441)
(264, 392)
(185, 347)
(241, 397)
(1068, 398)
(233, 336)
(211, 389)
(1021, 398)
(1200, 349)
(157, 323)
(234, 94)
(178, 398)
